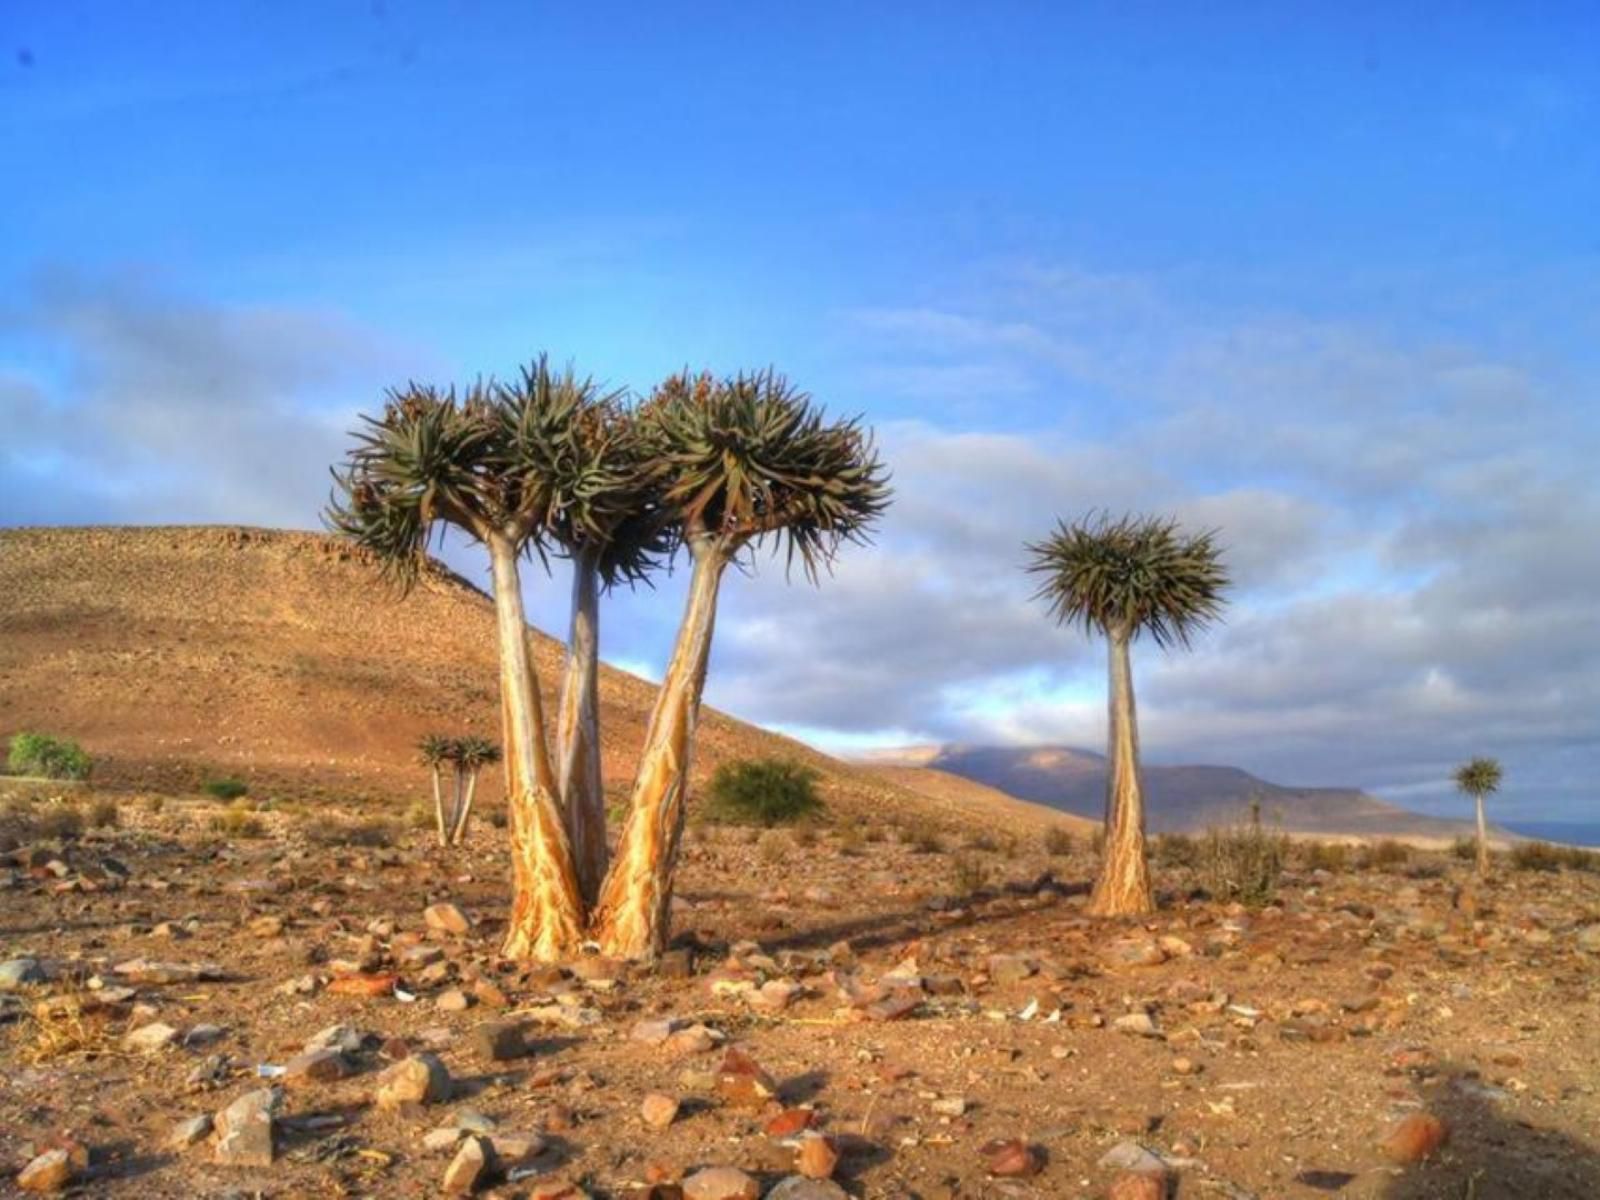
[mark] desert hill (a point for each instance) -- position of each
(1180, 799)
(177, 654)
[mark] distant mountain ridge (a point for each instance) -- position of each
(1178, 799)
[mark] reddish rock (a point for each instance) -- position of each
(1415, 1138)
(658, 1110)
(363, 985)
(818, 1157)
(1012, 1158)
(446, 918)
(1138, 1185)
(50, 1172)
(741, 1080)
(788, 1123)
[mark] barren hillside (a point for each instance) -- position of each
(181, 653)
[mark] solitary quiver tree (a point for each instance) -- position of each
(1123, 578)
(714, 467)
(1478, 778)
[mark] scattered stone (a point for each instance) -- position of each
(363, 985)
(266, 927)
(515, 1149)
(342, 1038)
(447, 918)
(466, 1169)
(950, 1106)
(1414, 1138)
(721, 1183)
(50, 1172)
(1136, 1023)
(1136, 1186)
(498, 1041)
(16, 973)
(147, 1039)
(1012, 1158)
(654, 1032)
(1135, 952)
(455, 1000)
(894, 1008)
(798, 1187)
(319, 1066)
(416, 1079)
(244, 1129)
(741, 1080)
(658, 1110)
(1134, 1159)
(203, 1035)
(187, 1133)
(818, 1157)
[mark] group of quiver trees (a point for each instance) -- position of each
(708, 469)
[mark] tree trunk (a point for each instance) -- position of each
(546, 920)
(458, 831)
(580, 785)
(439, 822)
(455, 807)
(1483, 838)
(631, 919)
(1123, 888)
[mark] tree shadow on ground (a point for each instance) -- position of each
(1491, 1155)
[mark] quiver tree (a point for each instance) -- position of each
(434, 751)
(1478, 778)
(604, 519)
(713, 467)
(470, 755)
(480, 464)
(1125, 578)
(741, 461)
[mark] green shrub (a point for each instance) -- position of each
(46, 756)
(227, 789)
(1057, 842)
(1332, 857)
(103, 813)
(1177, 850)
(1242, 864)
(763, 791)
(1388, 853)
(1537, 856)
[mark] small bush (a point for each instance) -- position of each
(1579, 859)
(238, 821)
(1057, 842)
(59, 821)
(873, 834)
(982, 840)
(1242, 864)
(1388, 853)
(1333, 857)
(227, 789)
(103, 813)
(154, 804)
(1537, 856)
(46, 756)
(1465, 848)
(922, 837)
(773, 847)
(969, 874)
(763, 791)
(1177, 850)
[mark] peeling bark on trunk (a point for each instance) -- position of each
(579, 781)
(546, 920)
(1123, 888)
(1483, 838)
(631, 919)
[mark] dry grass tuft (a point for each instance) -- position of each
(64, 1027)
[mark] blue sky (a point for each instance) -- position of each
(1324, 278)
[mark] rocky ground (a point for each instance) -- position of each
(189, 1012)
